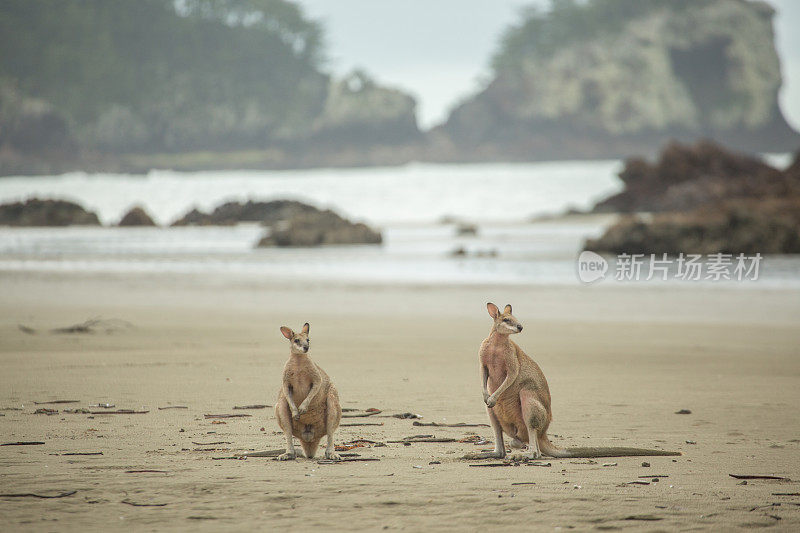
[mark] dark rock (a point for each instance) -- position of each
(136, 217)
(767, 227)
(705, 200)
(231, 213)
(465, 229)
(686, 177)
(316, 228)
(195, 217)
(36, 212)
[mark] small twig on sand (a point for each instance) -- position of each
(146, 471)
(26, 329)
(172, 407)
(362, 415)
(493, 464)
(210, 443)
(458, 425)
(347, 460)
(83, 453)
(22, 443)
(746, 476)
(120, 412)
(128, 502)
(32, 495)
(227, 416)
(256, 406)
(89, 326)
(56, 401)
(524, 483)
(643, 517)
(361, 424)
(422, 438)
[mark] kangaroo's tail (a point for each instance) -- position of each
(547, 448)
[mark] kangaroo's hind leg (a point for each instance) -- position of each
(333, 414)
(499, 446)
(536, 420)
(285, 422)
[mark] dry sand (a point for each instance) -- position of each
(620, 363)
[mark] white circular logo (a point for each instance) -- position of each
(591, 267)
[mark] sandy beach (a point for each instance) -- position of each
(620, 362)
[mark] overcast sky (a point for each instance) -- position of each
(439, 50)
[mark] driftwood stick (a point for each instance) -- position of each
(457, 425)
(119, 412)
(757, 476)
(128, 502)
(32, 495)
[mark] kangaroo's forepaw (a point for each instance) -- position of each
(332, 456)
(490, 402)
(288, 456)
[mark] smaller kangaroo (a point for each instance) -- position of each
(518, 399)
(306, 384)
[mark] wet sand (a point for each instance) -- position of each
(620, 362)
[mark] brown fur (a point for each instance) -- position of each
(518, 399)
(308, 404)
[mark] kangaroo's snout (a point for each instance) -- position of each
(519, 327)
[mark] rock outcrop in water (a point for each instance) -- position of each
(36, 212)
(611, 78)
(291, 223)
(705, 200)
(689, 176)
(320, 228)
(230, 213)
(136, 217)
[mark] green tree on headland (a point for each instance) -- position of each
(161, 75)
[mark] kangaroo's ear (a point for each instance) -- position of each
(306, 328)
(493, 310)
(507, 309)
(288, 333)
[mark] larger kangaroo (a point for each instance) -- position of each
(305, 383)
(518, 399)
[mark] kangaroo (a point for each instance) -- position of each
(518, 399)
(305, 383)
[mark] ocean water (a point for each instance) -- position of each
(517, 241)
